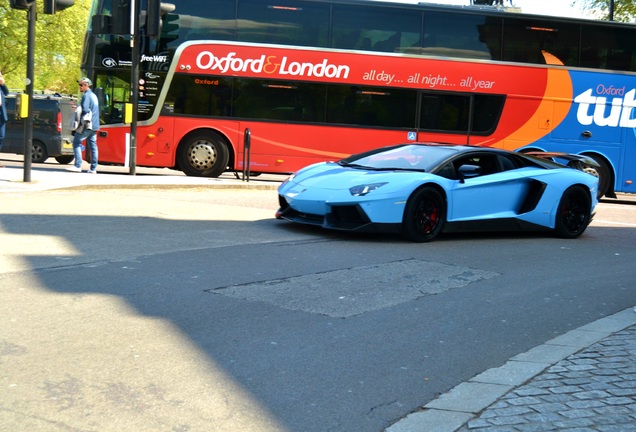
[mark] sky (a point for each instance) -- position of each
(540, 7)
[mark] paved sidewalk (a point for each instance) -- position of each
(582, 381)
(54, 176)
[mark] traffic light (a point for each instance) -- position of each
(52, 6)
(156, 11)
(120, 21)
(169, 28)
(21, 4)
(153, 18)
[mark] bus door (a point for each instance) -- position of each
(606, 139)
(155, 142)
(626, 179)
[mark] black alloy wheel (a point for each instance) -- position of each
(573, 213)
(424, 215)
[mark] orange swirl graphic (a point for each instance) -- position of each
(554, 107)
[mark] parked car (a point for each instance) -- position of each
(422, 190)
(51, 128)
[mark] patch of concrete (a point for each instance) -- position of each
(353, 291)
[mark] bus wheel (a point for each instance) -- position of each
(603, 174)
(39, 153)
(204, 154)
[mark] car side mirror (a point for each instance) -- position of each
(468, 171)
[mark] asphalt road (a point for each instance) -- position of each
(195, 310)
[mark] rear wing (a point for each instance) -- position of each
(575, 161)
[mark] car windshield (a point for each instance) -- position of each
(410, 157)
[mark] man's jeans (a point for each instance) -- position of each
(91, 138)
(2, 130)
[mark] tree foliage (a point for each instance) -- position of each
(624, 10)
(58, 47)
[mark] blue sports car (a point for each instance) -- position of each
(422, 190)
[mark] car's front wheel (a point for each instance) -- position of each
(424, 215)
(573, 213)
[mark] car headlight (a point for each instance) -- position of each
(362, 190)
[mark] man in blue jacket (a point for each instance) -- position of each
(3, 111)
(90, 119)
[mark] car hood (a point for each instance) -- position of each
(333, 176)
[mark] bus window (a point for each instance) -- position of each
(466, 36)
(216, 22)
(189, 21)
(194, 95)
(279, 100)
(487, 110)
(529, 40)
(370, 106)
(375, 28)
(446, 112)
(608, 48)
(283, 22)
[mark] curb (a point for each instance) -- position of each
(452, 410)
(11, 180)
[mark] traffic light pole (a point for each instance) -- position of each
(28, 128)
(135, 42)
(50, 6)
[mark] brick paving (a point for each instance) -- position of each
(593, 390)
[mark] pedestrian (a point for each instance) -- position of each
(89, 126)
(4, 91)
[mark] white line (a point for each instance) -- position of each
(612, 223)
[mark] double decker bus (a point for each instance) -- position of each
(314, 80)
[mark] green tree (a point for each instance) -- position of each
(624, 10)
(58, 47)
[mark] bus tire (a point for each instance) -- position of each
(203, 154)
(604, 174)
(39, 154)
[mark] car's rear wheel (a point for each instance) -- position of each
(573, 213)
(424, 215)
(39, 153)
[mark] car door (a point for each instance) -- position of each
(491, 188)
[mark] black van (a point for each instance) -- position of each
(52, 137)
